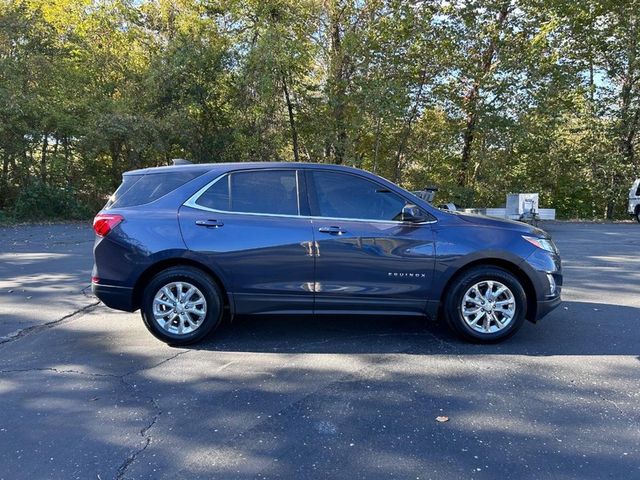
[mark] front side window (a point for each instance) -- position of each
(341, 195)
(272, 192)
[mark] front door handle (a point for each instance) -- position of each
(333, 230)
(209, 223)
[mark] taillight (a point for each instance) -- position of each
(104, 223)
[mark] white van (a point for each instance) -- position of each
(634, 200)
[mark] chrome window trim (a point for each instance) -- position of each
(191, 202)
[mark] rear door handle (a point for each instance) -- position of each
(333, 230)
(209, 223)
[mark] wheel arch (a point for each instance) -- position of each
(507, 265)
(163, 264)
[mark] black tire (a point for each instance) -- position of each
(453, 303)
(637, 214)
(200, 280)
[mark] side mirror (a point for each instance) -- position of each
(412, 213)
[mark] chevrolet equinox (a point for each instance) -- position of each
(190, 243)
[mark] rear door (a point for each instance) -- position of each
(367, 260)
(247, 225)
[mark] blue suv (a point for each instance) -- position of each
(191, 244)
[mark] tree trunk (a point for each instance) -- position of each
(5, 169)
(4, 181)
(292, 121)
(472, 97)
(115, 148)
(628, 141)
(611, 199)
(65, 146)
(337, 86)
(406, 129)
(67, 159)
(376, 148)
(468, 136)
(43, 158)
(628, 117)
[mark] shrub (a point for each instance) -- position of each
(38, 201)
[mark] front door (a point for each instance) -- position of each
(247, 226)
(367, 259)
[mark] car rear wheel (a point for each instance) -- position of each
(486, 305)
(181, 305)
(637, 214)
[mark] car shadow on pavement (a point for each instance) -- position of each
(575, 328)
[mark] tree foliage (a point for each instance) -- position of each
(478, 97)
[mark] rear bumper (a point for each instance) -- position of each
(120, 298)
(546, 306)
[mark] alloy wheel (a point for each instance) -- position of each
(488, 306)
(179, 308)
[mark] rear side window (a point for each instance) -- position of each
(263, 191)
(141, 189)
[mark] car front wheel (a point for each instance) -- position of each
(181, 305)
(637, 215)
(486, 305)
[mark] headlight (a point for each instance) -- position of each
(543, 243)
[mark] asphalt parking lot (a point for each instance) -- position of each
(87, 393)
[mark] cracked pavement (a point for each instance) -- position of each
(86, 392)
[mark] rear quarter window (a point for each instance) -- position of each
(141, 189)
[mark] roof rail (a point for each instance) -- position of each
(181, 161)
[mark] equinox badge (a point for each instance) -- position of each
(405, 274)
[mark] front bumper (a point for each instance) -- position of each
(544, 269)
(120, 298)
(548, 298)
(546, 306)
